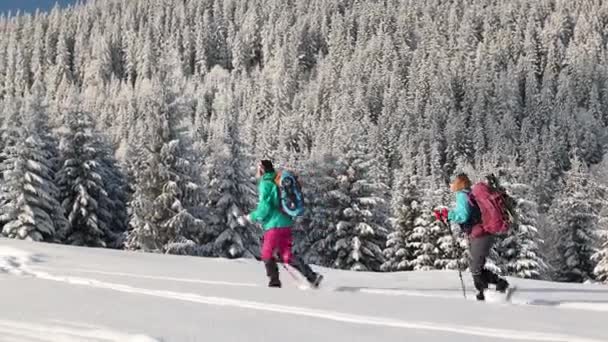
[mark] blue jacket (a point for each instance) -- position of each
(461, 214)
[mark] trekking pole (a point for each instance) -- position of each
(290, 272)
(455, 247)
(297, 280)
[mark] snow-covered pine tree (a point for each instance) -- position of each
(165, 207)
(118, 190)
(424, 239)
(530, 83)
(574, 216)
(36, 112)
(406, 210)
(227, 183)
(451, 255)
(10, 134)
(30, 208)
(519, 253)
(323, 203)
(85, 179)
(30, 193)
(601, 256)
(360, 224)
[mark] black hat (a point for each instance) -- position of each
(267, 165)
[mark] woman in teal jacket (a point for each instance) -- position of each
(467, 215)
(277, 228)
(462, 213)
(268, 212)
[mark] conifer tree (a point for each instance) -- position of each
(361, 223)
(323, 201)
(424, 240)
(85, 179)
(165, 204)
(574, 216)
(30, 208)
(601, 256)
(528, 84)
(399, 251)
(228, 186)
(519, 253)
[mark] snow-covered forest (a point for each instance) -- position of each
(136, 124)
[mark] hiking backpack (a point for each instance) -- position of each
(290, 193)
(495, 205)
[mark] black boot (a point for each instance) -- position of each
(274, 283)
(272, 271)
(501, 284)
(317, 281)
(313, 278)
(481, 285)
(490, 277)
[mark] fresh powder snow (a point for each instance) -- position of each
(88, 294)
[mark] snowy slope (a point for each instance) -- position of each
(60, 293)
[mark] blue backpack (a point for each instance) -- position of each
(290, 193)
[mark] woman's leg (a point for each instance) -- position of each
(269, 245)
(295, 261)
(479, 249)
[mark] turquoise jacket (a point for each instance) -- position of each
(462, 212)
(268, 211)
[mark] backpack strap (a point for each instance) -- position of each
(475, 214)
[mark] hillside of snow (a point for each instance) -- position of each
(60, 293)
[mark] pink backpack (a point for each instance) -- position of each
(495, 217)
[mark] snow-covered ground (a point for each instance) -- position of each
(59, 293)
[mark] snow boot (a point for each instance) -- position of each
(480, 283)
(305, 270)
(316, 281)
(274, 283)
(502, 285)
(272, 271)
(490, 277)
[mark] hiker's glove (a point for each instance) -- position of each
(444, 214)
(441, 215)
(437, 214)
(243, 220)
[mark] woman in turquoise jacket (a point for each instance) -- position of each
(277, 228)
(467, 215)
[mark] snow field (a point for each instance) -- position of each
(428, 305)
